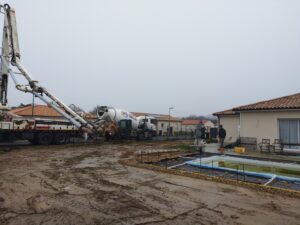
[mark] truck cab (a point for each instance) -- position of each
(148, 123)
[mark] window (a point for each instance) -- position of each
(162, 125)
(289, 131)
(153, 121)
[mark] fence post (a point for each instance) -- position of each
(200, 163)
(212, 167)
(244, 172)
(237, 173)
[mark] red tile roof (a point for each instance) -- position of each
(39, 110)
(286, 102)
(167, 118)
(43, 111)
(193, 122)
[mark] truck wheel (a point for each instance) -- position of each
(45, 138)
(150, 136)
(140, 136)
(2, 135)
(107, 136)
(60, 138)
(34, 141)
(12, 137)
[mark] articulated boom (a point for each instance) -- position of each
(11, 57)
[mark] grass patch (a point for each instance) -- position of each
(187, 148)
(212, 140)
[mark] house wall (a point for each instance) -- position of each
(162, 127)
(231, 125)
(209, 124)
(264, 124)
(189, 128)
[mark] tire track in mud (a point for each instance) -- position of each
(61, 188)
(200, 212)
(203, 208)
(86, 176)
(146, 183)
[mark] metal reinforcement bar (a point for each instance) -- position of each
(271, 180)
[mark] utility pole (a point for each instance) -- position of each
(169, 127)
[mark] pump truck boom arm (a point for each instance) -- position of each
(11, 57)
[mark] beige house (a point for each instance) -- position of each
(164, 122)
(189, 126)
(273, 119)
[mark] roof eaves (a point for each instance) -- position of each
(230, 112)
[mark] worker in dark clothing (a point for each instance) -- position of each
(222, 136)
(203, 130)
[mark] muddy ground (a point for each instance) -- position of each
(87, 185)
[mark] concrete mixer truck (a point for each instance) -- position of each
(120, 123)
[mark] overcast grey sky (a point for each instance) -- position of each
(199, 56)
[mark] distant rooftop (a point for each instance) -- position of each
(193, 122)
(41, 111)
(160, 117)
(38, 110)
(148, 114)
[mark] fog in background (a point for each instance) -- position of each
(194, 55)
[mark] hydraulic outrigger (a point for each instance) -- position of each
(11, 57)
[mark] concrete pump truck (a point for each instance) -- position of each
(10, 66)
(110, 122)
